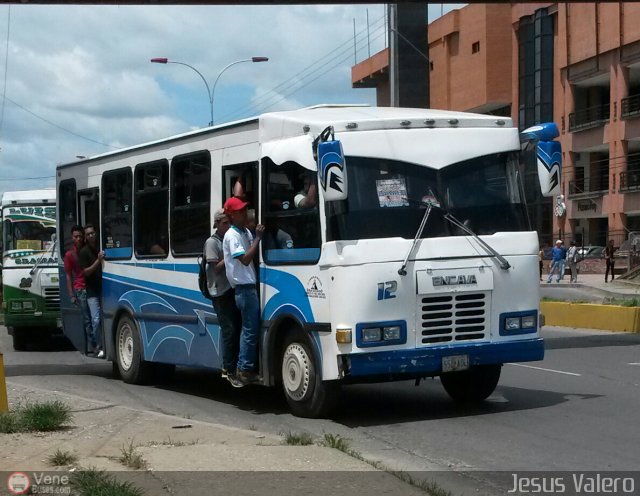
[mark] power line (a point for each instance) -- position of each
(59, 126)
(321, 63)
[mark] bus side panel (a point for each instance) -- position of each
(177, 324)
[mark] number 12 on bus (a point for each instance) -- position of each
(416, 258)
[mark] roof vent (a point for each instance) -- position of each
(306, 128)
(453, 122)
(405, 123)
(351, 125)
(430, 122)
(500, 122)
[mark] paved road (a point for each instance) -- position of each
(576, 410)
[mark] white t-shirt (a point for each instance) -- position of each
(236, 243)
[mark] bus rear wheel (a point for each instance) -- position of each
(473, 385)
(131, 367)
(306, 393)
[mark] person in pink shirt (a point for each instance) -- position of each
(76, 286)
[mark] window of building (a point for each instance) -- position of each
(151, 226)
(190, 203)
(475, 48)
(291, 214)
(116, 213)
(67, 212)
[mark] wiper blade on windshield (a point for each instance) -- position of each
(504, 264)
(430, 201)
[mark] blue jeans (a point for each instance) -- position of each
(555, 265)
(81, 298)
(249, 306)
(229, 320)
(93, 303)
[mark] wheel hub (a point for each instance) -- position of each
(296, 372)
(125, 347)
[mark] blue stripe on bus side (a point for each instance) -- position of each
(194, 296)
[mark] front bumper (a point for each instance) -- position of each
(428, 361)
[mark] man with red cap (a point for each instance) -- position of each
(240, 248)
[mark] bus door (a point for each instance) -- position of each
(72, 320)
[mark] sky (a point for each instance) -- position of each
(76, 80)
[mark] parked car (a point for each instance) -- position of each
(591, 251)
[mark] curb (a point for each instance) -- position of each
(591, 316)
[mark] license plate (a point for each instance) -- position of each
(454, 363)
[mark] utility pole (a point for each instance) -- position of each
(408, 55)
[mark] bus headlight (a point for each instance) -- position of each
(16, 306)
(528, 321)
(387, 333)
(512, 323)
(371, 334)
(391, 333)
(27, 305)
(518, 323)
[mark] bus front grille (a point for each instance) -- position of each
(52, 299)
(451, 318)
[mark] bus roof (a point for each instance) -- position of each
(343, 117)
(29, 197)
(350, 118)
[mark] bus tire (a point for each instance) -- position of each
(132, 368)
(306, 393)
(473, 385)
(19, 339)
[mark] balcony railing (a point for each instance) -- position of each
(589, 117)
(597, 185)
(630, 106)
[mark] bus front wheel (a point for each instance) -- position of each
(132, 368)
(307, 394)
(473, 385)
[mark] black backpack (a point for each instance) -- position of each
(202, 277)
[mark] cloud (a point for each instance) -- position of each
(79, 79)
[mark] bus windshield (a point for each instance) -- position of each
(387, 198)
(28, 235)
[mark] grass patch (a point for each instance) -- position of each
(92, 482)
(630, 303)
(40, 417)
(170, 442)
(297, 439)
(336, 442)
(131, 458)
(62, 458)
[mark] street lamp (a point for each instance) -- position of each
(210, 92)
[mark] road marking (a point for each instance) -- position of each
(546, 370)
(634, 363)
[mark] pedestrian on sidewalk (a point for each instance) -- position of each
(572, 260)
(240, 249)
(541, 259)
(563, 262)
(557, 260)
(223, 295)
(609, 260)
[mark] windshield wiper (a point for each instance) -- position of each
(402, 270)
(35, 266)
(504, 264)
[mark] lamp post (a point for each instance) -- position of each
(210, 92)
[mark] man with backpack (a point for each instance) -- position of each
(223, 296)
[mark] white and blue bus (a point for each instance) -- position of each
(418, 260)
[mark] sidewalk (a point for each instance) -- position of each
(184, 456)
(619, 288)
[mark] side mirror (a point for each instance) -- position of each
(548, 154)
(332, 168)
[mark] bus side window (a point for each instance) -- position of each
(116, 208)
(67, 212)
(151, 223)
